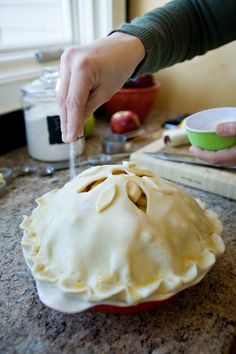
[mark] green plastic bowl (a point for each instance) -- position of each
(200, 128)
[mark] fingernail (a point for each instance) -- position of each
(221, 129)
(58, 85)
(63, 137)
(194, 149)
(69, 138)
(81, 135)
(80, 132)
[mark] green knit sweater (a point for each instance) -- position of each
(182, 29)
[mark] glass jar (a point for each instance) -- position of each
(42, 121)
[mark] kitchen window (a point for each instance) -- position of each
(33, 33)
(26, 24)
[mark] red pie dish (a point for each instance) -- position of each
(142, 307)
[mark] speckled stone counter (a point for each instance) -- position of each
(201, 320)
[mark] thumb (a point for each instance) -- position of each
(226, 129)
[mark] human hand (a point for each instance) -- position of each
(91, 74)
(226, 157)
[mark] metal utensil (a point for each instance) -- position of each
(30, 170)
(185, 159)
(42, 171)
(93, 160)
(113, 144)
(118, 143)
(48, 170)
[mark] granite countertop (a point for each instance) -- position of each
(201, 320)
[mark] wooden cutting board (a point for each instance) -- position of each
(214, 180)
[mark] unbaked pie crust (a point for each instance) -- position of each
(118, 234)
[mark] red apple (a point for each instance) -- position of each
(124, 121)
(140, 81)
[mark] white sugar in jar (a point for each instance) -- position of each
(42, 121)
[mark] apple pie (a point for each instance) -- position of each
(118, 234)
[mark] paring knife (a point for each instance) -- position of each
(185, 159)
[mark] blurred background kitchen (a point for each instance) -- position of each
(33, 35)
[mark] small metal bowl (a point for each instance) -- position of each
(114, 144)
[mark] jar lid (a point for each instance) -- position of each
(44, 85)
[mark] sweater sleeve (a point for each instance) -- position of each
(182, 29)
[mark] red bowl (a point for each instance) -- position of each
(145, 306)
(139, 100)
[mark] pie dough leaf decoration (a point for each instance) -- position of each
(118, 235)
(105, 198)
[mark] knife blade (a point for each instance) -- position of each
(185, 159)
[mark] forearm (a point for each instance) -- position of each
(181, 30)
